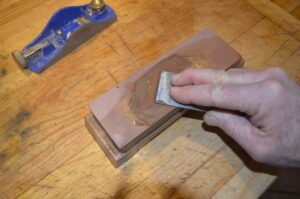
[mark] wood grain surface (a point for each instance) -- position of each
(45, 149)
(285, 13)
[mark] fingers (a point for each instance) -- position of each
(244, 98)
(237, 127)
(194, 76)
(279, 74)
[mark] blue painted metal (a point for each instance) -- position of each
(64, 32)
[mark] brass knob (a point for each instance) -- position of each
(97, 4)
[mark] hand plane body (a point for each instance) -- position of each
(66, 30)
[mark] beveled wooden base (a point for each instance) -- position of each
(116, 157)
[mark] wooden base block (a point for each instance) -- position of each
(116, 157)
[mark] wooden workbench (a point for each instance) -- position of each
(45, 149)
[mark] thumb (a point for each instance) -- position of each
(234, 125)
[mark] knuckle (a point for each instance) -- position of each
(216, 93)
(273, 87)
(231, 127)
(276, 71)
(222, 76)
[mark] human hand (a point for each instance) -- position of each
(271, 99)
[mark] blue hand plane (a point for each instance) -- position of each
(67, 29)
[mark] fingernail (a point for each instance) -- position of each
(211, 119)
(175, 77)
